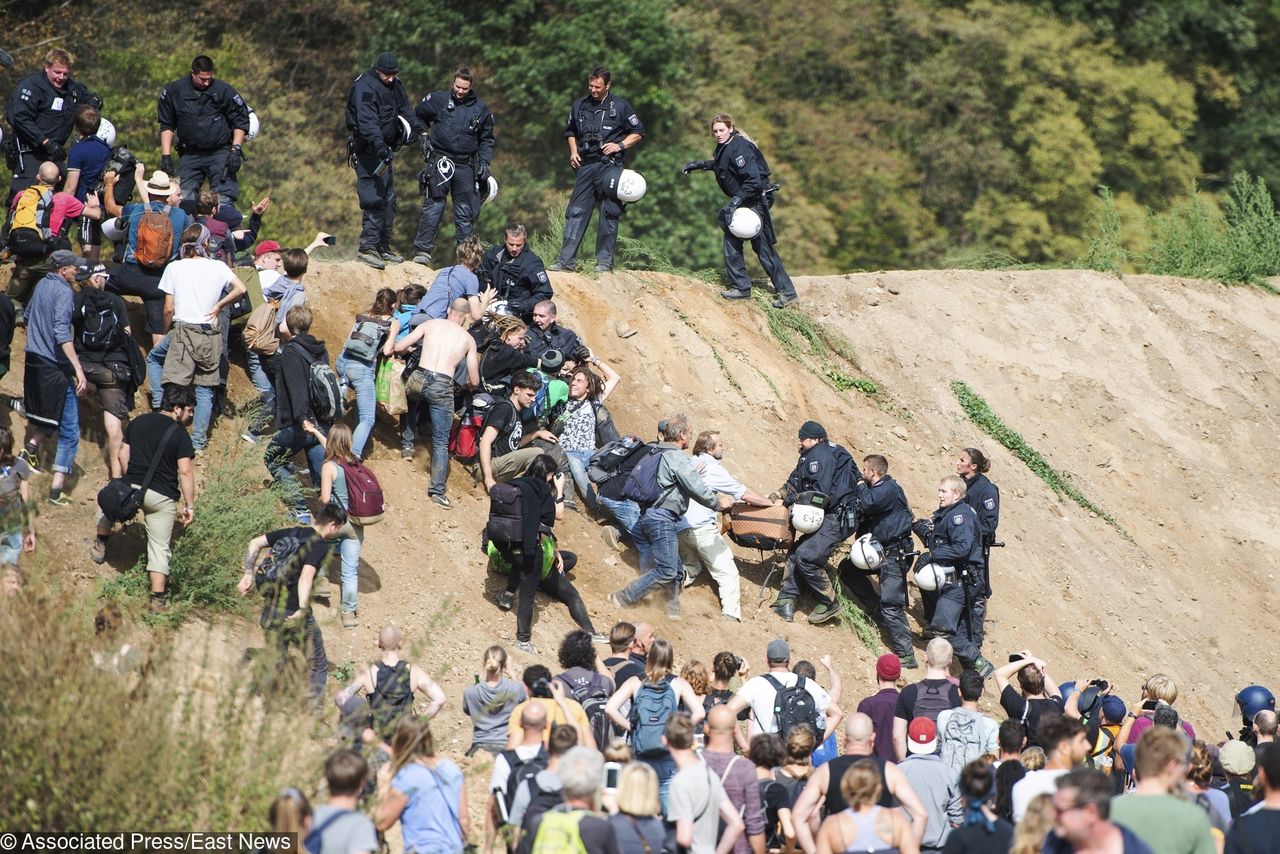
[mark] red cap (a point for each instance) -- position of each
(922, 736)
(265, 247)
(888, 668)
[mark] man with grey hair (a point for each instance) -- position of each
(575, 825)
(662, 483)
(516, 273)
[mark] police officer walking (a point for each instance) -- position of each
(380, 119)
(743, 176)
(984, 497)
(41, 111)
(827, 468)
(954, 538)
(886, 516)
(601, 127)
(458, 150)
(210, 120)
(516, 273)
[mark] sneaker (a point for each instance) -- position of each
(349, 620)
(612, 537)
(16, 404)
(785, 300)
(62, 500)
(823, 614)
(908, 662)
(443, 501)
(303, 518)
(506, 599)
(423, 258)
(985, 668)
(673, 609)
(734, 293)
(688, 580)
(557, 267)
(615, 601)
(571, 505)
(249, 437)
(97, 550)
(392, 258)
(601, 268)
(406, 454)
(30, 459)
(371, 258)
(526, 646)
(321, 588)
(597, 637)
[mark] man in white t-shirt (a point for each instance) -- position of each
(1065, 747)
(196, 288)
(759, 693)
(701, 543)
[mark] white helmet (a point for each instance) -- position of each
(254, 125)
(112, 231)
(493, 189)
(866, 553)
(932, 576)
(500, 307)
(106, 132)
(406, 131)
(806, 518)
(745, 223)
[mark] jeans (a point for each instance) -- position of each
(578, 463)
(68, 432)
(409, 424)
(262, 382)
(284, 444)
(360, 376)
(10, 547)
(349, 545)
(438, 396)
(304, 633)
(204, 394)
(627, 514)
(665, 767)
(660, 533)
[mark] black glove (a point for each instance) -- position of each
(424, 143)
(726, 215)
(482, 173)
(56, 152)
(694, 166)
(735, 202)
(93, 100)
(384, 154)
(166, 164)
(234, 159)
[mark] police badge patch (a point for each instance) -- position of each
(813, 467)
(542, 277)
(957, 519)
(634, 120)
(741, 161)
(990, 504)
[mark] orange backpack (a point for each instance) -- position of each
(154, 245)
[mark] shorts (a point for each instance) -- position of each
(111, 392)
(90, 232)
(194, 356)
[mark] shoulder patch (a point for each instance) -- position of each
(634, 120)
(542, 277)
(813, 467)
(957, 519)
(740, 160)
(428, 98)
(238, 99)
(990, 504)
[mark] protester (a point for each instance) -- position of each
(760, 694)
(638, 825)
(928, 697)
(525, 755)
(540, 791)
(373, 335)
(697, 805)
(17, 522)
(880, 705)
(1065, 746)
(861, 788)
(290, 812)
(1082, 806)
(108, 354)
(767, 753)
(1155, 810)
(295, 414)
(964, 734)
(505, 449)
(576, 826)
(489, 701)
(981, 831)
(1259, 831)
(338, 456)
(578, 427)
(390, 685)
(934, 782)
(559, 706)
(459, 282)
(422, 791)
(339, 824)
(1039, 696)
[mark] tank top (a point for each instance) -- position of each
(867, 840)
(835, 801)
(339, 495)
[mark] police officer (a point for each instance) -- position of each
(41, 111)
(601, 127)
(376, 106)
(516, 273)
(743, 176)
(955, 540)
(210, 120)
(827, 468)
(886, 516)
(458, 150)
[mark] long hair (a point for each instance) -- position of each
(595, 385)
(195, 241)
(384, 302)
(337, 445)
(728, 120)
(658, 663)
(412, 739)
(6, 447)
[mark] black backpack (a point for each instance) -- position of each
(521, 770)
(615, 459)
(98, 324)
(506, 514)
(792, 707)
(593, 696)
(931, 701)
(392, 696)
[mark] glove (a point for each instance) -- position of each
(482, 173)
(693, 166)
(424, 143)
(735, 202)
(234, 160)
(726, 215)
(93, 100)
(56, 152)
(166, 164)
(384, 154)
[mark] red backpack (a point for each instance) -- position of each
(364, 494)
(464, 438)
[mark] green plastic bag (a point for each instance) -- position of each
(499, 564)
(388, 386)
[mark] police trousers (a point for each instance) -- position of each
(377, 195)
(735, 263)
(807, 563)
(466, 208)
(890, 602)
(588, 193)
(959, 611)
(196, 167)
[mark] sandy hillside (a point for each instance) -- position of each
(1157, 396)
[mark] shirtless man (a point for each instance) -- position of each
(445, 345)
(390, 684)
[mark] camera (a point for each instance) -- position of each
(542, 688)
(1015, 656)
(1101, 684)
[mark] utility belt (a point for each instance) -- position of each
(183, 148)
(900, 548)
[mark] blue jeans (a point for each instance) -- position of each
(438, 396)
(68, 432)
(578, 464)
(349, 549)
(10, 547)
(666, 567)
(665, 767)
(360, 376)
(286, 442)
(409, 424)
(204, 394)
(261, 381)
(627, 514)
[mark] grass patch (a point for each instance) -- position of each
(804, 339)
(981, 414)
(845, 382)
(1106, 252)
(854, 617)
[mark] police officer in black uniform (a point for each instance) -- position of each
(458, 150)
(886, 516)
(955, 540)
(211, 120)
(827, 468)
(516, 273)
(601, 127)
(984, 497)
(376, 105)
(41, 112)
(743, 176)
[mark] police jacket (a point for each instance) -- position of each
(374, 110)
(458, 128)
(37, 111)
(825, 468)
(555, 337)
(521, 281)
(885, 513)
(204, 119)
(984, 497)
(741, 170)
(956, 538)
(593, 123)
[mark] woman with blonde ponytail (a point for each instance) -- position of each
(490, 700)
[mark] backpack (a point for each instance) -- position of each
(651, 706)
(541, 802)
(614, 459)
(364, 494)
(793, 706)
(559, 833)
(153, 246)
(98, 323)
(365, 339)
(392, 696)
(593, 696)
(961, 739)
(276, 566)
(520, 770)
(464, 437)
(261, 329)
(506, 514)
(314, 842)
(642, 483)
(29, 233)
(252, 298)
(324, 392)
(931, 700)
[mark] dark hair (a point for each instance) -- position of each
(6, 446)
(979, 459)
(805, 669)
(345, 772)
(299, 319)
(877, 463)
(577, 649)
(542, 466)
(724, 666)
(190, 239)
(1031, 680)
(978, 780)
(295, 262)
(1054, 729)
(88, 120)
(176, 397)
(600, 73)
(207, 202)
(800, 744)
(384, 302)
(679, 731)
(201, 64)
(970, 685)
(412, 292)
(331, 514)
(595, 386)
(564, 737)
(1269, 763)
(533, 673)
(767, 751)
(526, 379)
(1012, 736)
(1092, 787)
(463, 73)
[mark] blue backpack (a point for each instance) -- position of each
(650, 709)
(642, 483)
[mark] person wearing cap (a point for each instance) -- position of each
(1154, 809)
(880, 705)
(210, 120)
(601, 127)
(1259, 830)
(108, 354)
(1238, 760)
(677, 483)
(378, 110)
(459, 281)
(160, 194)
(516, 273)
(827, 468)
(759, 693)
(934, 782)
(52, 376)
(458, 149)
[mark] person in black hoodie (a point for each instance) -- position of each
(505, 355)
(299, 429)
(543, 504)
